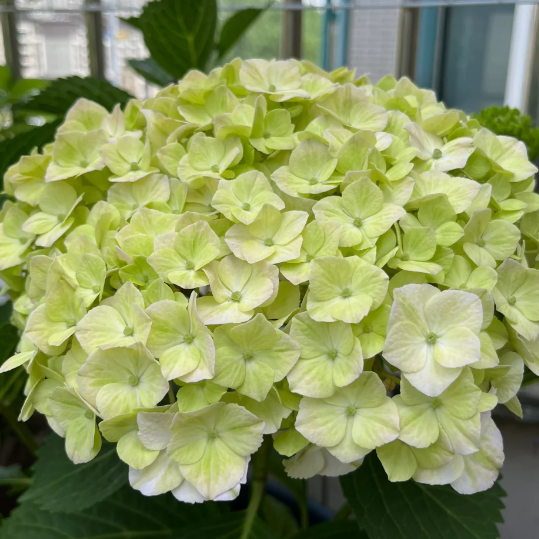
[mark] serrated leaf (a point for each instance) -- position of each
(227, 527)
(11, 150)
(235, 26)
(60, 485)
(414, 511)
(151, 71)
(58, 97)
(125, 515)
(179, 35)
(335, 529)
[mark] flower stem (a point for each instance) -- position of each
(258, 485)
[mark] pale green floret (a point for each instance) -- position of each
(309, 170)
(273, 236)
(432, 335)
(252, 356)
(271, 130)
(330, 357)
(128, 158)
(345, 289)
(118, 321)
(354, 421)
(212, 446)
(455, 412)
(180, 341)
(183, 256)
(14, 241)
(242, 199)
(119, 380)
(435, 153)
(362, 211)
(75, 422)
(517, 297)
(486, 242)
(237, 289)
(84, 116)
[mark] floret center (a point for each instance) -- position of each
(481, 242)
(512, 300)
(358, 222)
(89, 414)
(83, 163)
(236, 296)
(246, 206)
(267, 134)
(332, 354)
(128, 331)
(96, 289)
(215, 168)
(309, 257)
(268, 242)
(432, 338)
(212, 435)
(188, 338)
(346, 293)
(437, 153)
(367, 328)
(134, 166)
(189, 265)
(436, 402)
(247, 355)
(134, 381)
(351, 411)
(313, 181)
(272, 88)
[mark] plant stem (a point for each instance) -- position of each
(343, 513)
(258, 485)
(171, 396)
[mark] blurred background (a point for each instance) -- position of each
(474, 53)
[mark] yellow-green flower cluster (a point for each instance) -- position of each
(271, 249)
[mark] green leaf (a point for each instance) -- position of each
(9, 337)
(335, 529)
(226, 527)
(126, 515)
(60, 485)
(5, 78)
(58, 97)
(11, 150)
(179, 35)
(151, 71)
(278, 517)
(414, 511)
(235, 26)
(25, 88)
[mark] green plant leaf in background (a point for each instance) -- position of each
(343, 529)
(151, 71)
(179, 35)
(227, 527)
(278, 517)
(60, 485)
(126, 515)
(414, 511)
(235, 26)
(58, 97)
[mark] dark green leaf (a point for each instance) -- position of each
(150, 71)
(58, 97)
(60, 485)
(235, 26)
(126, 515)
(5, 312)
(24, 88)
(9, 338)
(11, 150)
(179, 35)
(413, 511)
(336, 529)
(278, 517)
(227, 527)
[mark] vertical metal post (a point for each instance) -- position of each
(292, 31)
(96, 48)
(11, 42)
(408, 30)
(325, 41)
(341, 35)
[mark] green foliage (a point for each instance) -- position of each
(510, 122)
(414, 511)
(182, 36)
(60, 95)
(344, 529)
(125, 515)
(59, 485)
